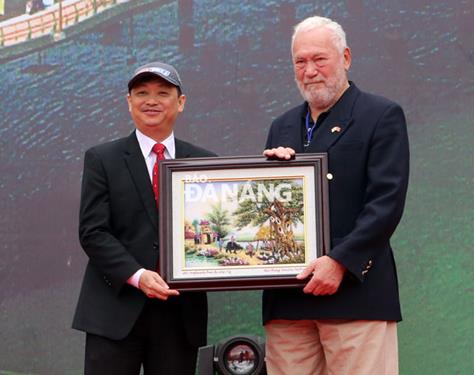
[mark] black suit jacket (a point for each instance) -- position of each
(366, 140)
(118, 230)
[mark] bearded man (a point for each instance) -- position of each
(343, 321)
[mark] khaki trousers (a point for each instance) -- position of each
(331, 347)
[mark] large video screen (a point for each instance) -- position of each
(64, 92)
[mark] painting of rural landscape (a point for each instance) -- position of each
(252, 222)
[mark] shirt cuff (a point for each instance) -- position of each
(135, 278)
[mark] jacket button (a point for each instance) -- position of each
(156, 245)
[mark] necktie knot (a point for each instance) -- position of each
(159, 150)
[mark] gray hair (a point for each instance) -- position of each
(310, 23)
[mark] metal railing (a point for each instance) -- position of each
(52, 20)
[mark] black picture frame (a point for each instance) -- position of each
(190, 186)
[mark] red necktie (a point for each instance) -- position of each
(159, 150)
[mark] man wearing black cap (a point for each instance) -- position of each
(130, 316)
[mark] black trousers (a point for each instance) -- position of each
(157, 341)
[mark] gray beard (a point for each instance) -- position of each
(326, 97)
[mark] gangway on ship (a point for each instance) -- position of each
(26, 33)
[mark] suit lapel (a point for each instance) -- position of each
(138, 170)
(186, 150)
(291, 134)
(181, 151)
(336, 124)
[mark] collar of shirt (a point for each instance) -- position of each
(146, 144)
(321, 117)
(311, 124)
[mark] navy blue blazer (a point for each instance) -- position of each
(369, 158)
(118, 230)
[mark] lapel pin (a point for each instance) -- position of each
(336, 129)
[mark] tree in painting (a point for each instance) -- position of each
(219, 219)
(281, 214)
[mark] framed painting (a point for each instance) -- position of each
(241, 222)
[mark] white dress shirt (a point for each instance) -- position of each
(146, 145)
